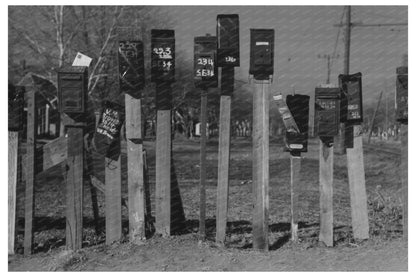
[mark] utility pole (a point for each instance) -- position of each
(328, 60)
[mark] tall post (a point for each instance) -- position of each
(404, 179)
(295, 165)
(203, 165)
(374, 117)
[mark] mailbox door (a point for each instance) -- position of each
(205, 62)
(352, 107)
(299, 108)
(401, 95)
(327, 109)
(131, 67)
(72, 89)
(228, 35)
(163, 56)
(261, 53)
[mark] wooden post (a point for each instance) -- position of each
(295, 164)
(261, 100)
(326, 177)
(374, 117)
(356, 180)
(404, 169)
(163, 165)
(203, 165)
(113, 231)
(30, 171)
(12, 182)
(135, 172)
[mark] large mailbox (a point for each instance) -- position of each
(15, 105)
(205, 62)
(72, 89)
(299, 108)
(261, 53)
(131, 67)
(163, 55)
(401, 95)
(327, 110)
(351, 98)
(228, 34)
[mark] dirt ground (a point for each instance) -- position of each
(384, 251)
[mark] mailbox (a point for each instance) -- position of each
(401, 95)
(261, 53)
(299, 108)
(72, 89)
(327, 109)
(163, 55)
(351, 98)
(131, 67)
(205, 62)
(15, 105)
(228, 45)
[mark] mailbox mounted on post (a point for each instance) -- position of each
(131, 67)
(299, 108)
(401, 95)
(163, 55)
(72, 89)
(327, 109)
(15, 105)
(205, 62)
(351, 98)
(228, 34)
(261, 53)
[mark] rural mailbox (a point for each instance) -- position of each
(401, 95)
(205, 62)
(228, 45)
(72, 89)
(261, 53)
(15, 105)
(163, 55)
(327, 110)
(351, 98)
(299, 108)
(131, 67)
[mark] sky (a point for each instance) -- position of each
(301, 34)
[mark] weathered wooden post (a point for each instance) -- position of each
(261, 67)
(327, 110)
(228, 49)
(402, 117)
(352, 115)
(72, 92)
(15, 125)
(205, 77)
(163, 74)
(132, 81)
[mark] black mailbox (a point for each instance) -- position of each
(299, 108)
(72, 89)
(401, 95)
(131, 67)
(163, 55)
(205, 62)
(228, 34)
(351, 98)
(327, 109)
(15, 105)
(261, 53)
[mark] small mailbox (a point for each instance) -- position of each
(228, 34)
(163, 55)
(131, 67)
(72, 89)
(15, 105)
(327, 109)
(351, 98)
(261, 53)
(205, 62)
(299, 108)
(401, 95)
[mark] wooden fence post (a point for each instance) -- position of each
(295, 165)
(404, 170)
(203, 165)
(12, 181)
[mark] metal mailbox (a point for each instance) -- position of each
(205, 62)
(401, 95)
(72, 89)
(163, 55)
(299, 108)
(351, 98)
(15, 105)
(327, 111)
(131, 67)
(228, 34)
(261, 53)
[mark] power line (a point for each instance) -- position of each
(336, 41)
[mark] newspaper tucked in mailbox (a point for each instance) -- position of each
(287, 117)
